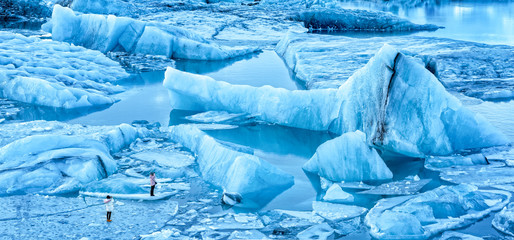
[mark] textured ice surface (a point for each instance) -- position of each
(166, 159)
(337, 212)
(321, 231)
(435, 163)
(53, 163)
(504, 220)
(387, 98)
(248, 234)
(404, 187)
(110, 33)
(326, 19)
(256, 180)
(450, 235)
(477, 70)
(348, 158)
(55, 74)
(424, 215)
(231, 221)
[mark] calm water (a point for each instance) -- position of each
(489, 22)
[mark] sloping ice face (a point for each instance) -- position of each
(255, 179)
(397, 103)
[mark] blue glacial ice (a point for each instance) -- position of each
(348, 158)
(326, 19)
(427, 214)
(256, 180)
(58, 75)
(504, 220)
(477, 70)
(378, 100)
(111, 33)
(56, 163)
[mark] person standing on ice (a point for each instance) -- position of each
(152, 183)
(109, 206)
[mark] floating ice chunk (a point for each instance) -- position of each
(404, 187)
(135, 196)
(234, 171)
(337, 195)
(108, 33)
(450, 235)
(115, 185)
(429, 213)
(166, 159)
(348, 158)
(43, 93)
(214, 235)
(337, 212)
(434, 163)
(504, 220)
(325, 19)
(306, 215)
(57, 74)
(163, 234)
(229, 222)
(122, 136)
(42, 162)
(355, 185)
(378, 99)
(321, 231)
(248, 234)
(215, 117)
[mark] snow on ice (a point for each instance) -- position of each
(378, 100)
(110, 33)
(256, 180)
(324, 61)
(424, 215)
(55, 74)
(504, 220)
(348, 158)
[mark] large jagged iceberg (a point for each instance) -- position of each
(55, 163)
(111, 33)
(326, 19)
(429, 213)
(348, 158)
(256, 180)
(55, 74)
(396, 102)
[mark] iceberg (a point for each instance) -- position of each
(327, 61)
(326, 19)
(387, 98)
(256, 180)
(504, 220)
(348, 158)
(336, 195)
(427, 214)
(111, 33)
(60, 161)
(56, 74)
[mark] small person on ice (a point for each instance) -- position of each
(152, 183)
(109, 206)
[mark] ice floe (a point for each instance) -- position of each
(403, 187)
(504, 220)
(256, 180)
(111, 33)
(424, 215)
(337, 212)
(336, 195)
(348, 158)
(55, 74)
(387, 98)
(53, 163)
(321, 231)
(324, 61)
(326, 19)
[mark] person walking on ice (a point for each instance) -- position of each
(152, 183)
(109, 206)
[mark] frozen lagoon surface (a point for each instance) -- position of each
(194, 211)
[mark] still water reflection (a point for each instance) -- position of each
(489, 22)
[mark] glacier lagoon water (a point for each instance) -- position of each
(477, 21)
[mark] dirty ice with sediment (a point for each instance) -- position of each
(317, 119)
